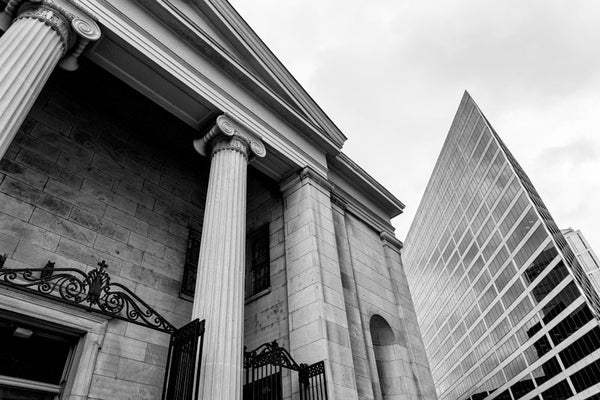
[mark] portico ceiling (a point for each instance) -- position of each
(184, 63)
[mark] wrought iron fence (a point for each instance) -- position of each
(93, 291)
(264, 371)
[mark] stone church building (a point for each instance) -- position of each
(159, 166)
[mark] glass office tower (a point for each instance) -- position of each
(585, 255)
(505, 309)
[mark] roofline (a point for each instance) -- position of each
(197, 38)
(236, 23)
(371, 187)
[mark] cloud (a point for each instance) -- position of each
(572, 154)
(391, 73)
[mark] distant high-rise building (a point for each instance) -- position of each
(505, 308)
(585, 255)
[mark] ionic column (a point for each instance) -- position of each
(37, 34)
(219, 296)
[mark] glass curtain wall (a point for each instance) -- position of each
(512, 315)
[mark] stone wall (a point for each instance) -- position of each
(266, 313)
(98, 174)
(375, 285)
(91, 177)
(319, 327)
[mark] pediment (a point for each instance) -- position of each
(233, 44)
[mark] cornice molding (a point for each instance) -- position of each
(339, 202)
(303, 177)
(236, 23)
(178, 21)
(165, 58)
(360, 211)
(389, 240)
(353, 173)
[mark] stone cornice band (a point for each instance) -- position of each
(390, 240)
(226, 134)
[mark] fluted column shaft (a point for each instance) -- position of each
(30, 48)
(29, 51)
(219, 297)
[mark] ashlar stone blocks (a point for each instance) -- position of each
(316, 298)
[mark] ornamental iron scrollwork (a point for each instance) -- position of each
(270, 353)
(92, 291)
(313, 382)
(261, 378)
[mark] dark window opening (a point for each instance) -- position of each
(560, 391)
(188, 283)
(504, 395)
(582, 347)
(561, 301)
(34, 358)
(548, 370)
(570, 324)
(587, 377)
(521, 388)
(540, 263)
(549, 282)
(260, 271)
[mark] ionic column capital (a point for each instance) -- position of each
(73, 24)
(227, 134)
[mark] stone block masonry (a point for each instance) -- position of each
(319, 328)
(82, 183)
(266, 313)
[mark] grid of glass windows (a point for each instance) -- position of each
(513, 315)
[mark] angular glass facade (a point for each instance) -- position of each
(585, 255)
(505, 310)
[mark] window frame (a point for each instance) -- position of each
(91, 327)
(261, 235)
(190, 266)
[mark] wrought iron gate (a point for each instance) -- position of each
(183, 362)
(313, 385)
(264, 370)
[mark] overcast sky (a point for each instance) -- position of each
(390, 74)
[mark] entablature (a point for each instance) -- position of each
(161, 50)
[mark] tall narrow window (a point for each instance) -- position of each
(188, 283)
(259, 261)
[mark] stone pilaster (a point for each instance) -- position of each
(420, 383)
(319, 326)
(360, 353)
(37, 34)
(219, 296)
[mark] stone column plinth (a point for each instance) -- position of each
(219, 296)
(37, 34)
